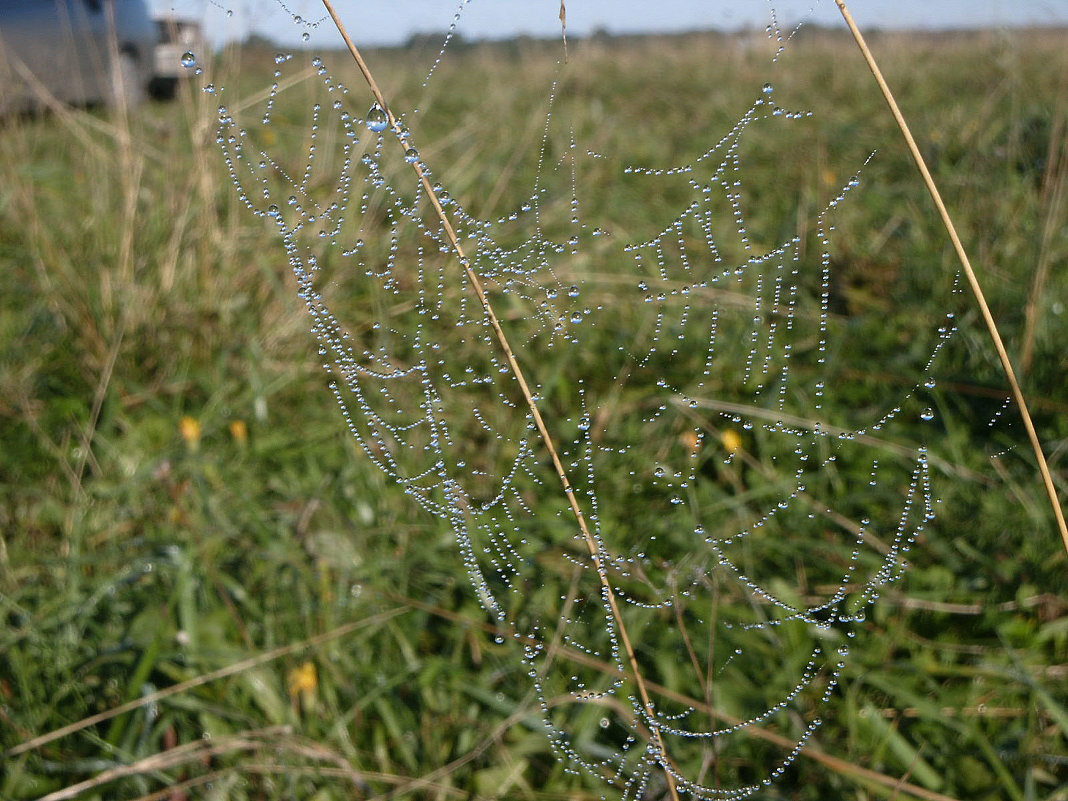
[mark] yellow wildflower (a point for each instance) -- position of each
(303, 681)
(732, 440)
(239, 431)
(190, 431)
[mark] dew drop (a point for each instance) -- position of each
(188, 60)
(768, 88)
(411, 155)
(927, 414)
(377, 121)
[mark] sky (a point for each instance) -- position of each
(373, 22)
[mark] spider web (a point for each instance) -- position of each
(696, 352)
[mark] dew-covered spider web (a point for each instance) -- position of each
(680, 357)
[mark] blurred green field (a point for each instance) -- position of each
(178, 491)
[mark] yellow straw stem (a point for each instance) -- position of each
(513, 364)
(973, 280)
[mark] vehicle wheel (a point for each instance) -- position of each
(126, 83)
(163, 88)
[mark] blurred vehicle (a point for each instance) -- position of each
(175, 37)
(80, 52)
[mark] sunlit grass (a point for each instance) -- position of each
(178, 491)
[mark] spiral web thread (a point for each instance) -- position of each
(432, 403)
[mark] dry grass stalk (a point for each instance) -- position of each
(962, 255)
(175, 757)
(841, 766)
(1054, 186)
(229, 670)
(476, 284)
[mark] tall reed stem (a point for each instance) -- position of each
(197, 681)
(962, 255)
(476, 284)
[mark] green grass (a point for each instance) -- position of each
(136, 292)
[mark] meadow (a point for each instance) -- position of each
(179, 493)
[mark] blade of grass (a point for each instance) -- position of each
(181, 755)
(841, 766)
(175, 792)
(967, 729)
(476, 284)
(905, 752)
(145, 666)
(962, 255)
(229, 670)
(432, 779)
(1053, 190)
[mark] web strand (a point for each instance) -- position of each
(431, 388)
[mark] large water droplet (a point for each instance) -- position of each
(188, 60)
(411, 155)
(377, 121)
(927, 414)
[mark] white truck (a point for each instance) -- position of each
(176, 36)
(89, 52)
